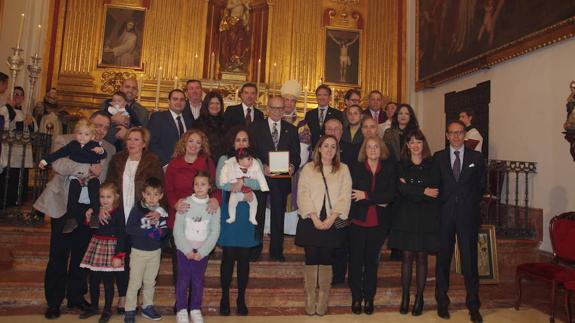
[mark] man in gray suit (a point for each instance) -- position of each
(63, 275)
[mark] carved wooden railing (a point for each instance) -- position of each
(506, 203)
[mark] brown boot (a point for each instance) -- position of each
(324, 282)
(310, 283)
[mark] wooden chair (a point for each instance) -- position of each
(569, 290)
(557, 272)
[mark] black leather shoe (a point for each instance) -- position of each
(368, 306)
(356, 307)
(404, 306)
(224, 307)
(443, 312)
(105, 317)
(52, 313)
(475, 317)
(417, 306)
(242, 308)
(83, 306)
(88, 313)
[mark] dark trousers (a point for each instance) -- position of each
(261, 218)
(96, 277)
(341, 259)
(365, 249)
(451, 225)
(123, 277)
(231, 255)
(73, 207)
(12, 192)
(64, 277)
(279, 190)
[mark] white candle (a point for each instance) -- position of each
(333, 97)
(39, 41)
(159, 76)
(305, 100)
(213, 66)
(273, 78)
(175, 82)
(140, 86)
(195, 68)
(236, 95)
(259, 72)
(20, 29)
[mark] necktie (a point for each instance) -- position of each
(249, 117)
(321, 117)
(456, 166)
(376, 116)
(180, 125)
(275, 135)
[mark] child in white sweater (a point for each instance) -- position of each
(241, 166)
(195, 233)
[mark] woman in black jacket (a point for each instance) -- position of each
(416, 223)
(211, 122)
(374, 188)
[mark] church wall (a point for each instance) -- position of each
(527, 112)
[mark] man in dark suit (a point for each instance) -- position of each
(194, 94)
(245, 113)
(375, 108)
(275, 134)
(166, 127)
(462, 185)
(316, 118)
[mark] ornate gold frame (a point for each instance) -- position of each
(101, 43)
(560, 31)
(360, 57)
(493, 276)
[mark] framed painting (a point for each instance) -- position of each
(342, 56)
(454, 38)
(487, 264)
(123, 37)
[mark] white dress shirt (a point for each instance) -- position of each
(245, 107)
(175, 116)
(195, 110)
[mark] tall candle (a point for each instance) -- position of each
(213, 66)
(140, 86)
(273, 78)
(20, 29)
(236, 95)
(333, 97)
(39, 41)
(259, 72)
(305, 100)
(195, 67)
(159, 76)
(175, 82)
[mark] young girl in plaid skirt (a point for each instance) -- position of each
(105, 254)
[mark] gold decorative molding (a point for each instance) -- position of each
(112, 81)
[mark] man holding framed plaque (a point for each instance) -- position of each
(276, 143)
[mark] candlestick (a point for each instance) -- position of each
(176, 82)
(15, 63)
(159, 76)
(140, 86)
(39, 41)
(333, 97)
(305, 99)
(20, 29)
(259, 72)
(34, 70)
(212, 66)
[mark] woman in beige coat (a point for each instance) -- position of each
(324, 195)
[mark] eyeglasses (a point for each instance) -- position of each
(456, 133)
(276, 108)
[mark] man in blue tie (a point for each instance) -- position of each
(462, 186)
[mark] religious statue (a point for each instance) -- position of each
(235, 36)
(344, 59)
(569, 124)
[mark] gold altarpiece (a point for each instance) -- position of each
(288, 36)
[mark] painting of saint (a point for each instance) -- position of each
(123, 37)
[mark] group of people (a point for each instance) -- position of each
(129, 185)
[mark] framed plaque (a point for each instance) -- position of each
(279, 164)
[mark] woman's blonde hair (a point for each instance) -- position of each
(85, 124)
(180, 149)
(316, 156)
(111, 187)
(384, 151)
(145, 133)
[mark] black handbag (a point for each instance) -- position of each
(338, 223)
